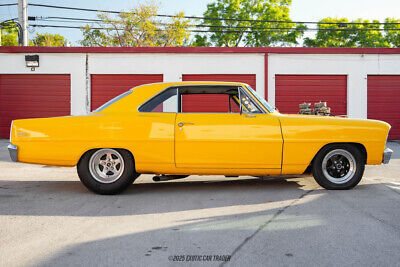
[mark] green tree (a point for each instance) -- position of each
(392, 37)
(349, 35)
(138, 27)
(9, 34)
(238, 32)
(94, 37)
(48, 39)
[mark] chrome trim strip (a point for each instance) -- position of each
(13, 150)
(387, 154)
(258, 101)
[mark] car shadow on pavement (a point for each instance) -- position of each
(71, 198)
(258, 222)
(278, 223)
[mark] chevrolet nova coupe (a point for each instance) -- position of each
(199, 128)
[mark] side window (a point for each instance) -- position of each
(167, 101)
(247, 104)
(212, 99)
(209, 103)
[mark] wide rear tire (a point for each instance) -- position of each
(338, 166)
(107, 171)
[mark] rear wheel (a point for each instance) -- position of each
(107, 171)
(338, 166)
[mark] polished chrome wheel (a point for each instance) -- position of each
(339, 166)
(106, 165)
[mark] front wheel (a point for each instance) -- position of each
(338, 166)
(107, 171)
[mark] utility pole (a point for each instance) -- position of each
(23, 20)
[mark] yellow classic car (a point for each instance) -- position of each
(178, 129)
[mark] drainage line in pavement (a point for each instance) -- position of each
(247, 239)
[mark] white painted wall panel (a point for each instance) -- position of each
(355, 66)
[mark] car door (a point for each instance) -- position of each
(248, 140)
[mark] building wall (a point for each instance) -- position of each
(355, 66)
(172, 65)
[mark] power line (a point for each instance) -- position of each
(218, 31)
(7, 25)
(69, 18)
(224, 19)
(77, 8)
(74, 20)
(104, 28)
(14, 4)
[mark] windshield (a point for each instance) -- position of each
(261, 100)
(112, 101)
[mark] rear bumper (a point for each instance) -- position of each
(13, 150)
(387, 154)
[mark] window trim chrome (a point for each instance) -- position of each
(252, 98)
(239, 86)
(258, 101)
(154, 96)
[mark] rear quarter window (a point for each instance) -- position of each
(112, 101)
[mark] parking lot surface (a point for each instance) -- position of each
(48, 218)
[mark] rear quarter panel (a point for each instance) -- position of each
(62, 141)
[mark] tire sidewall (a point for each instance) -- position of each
(324, 182)
(127, 178)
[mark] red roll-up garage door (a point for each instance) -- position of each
(32, 96)
(384, 101)
(105, 87)
(214, 104)
(292, 90)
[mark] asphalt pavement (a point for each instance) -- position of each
(47, 218)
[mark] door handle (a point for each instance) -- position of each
(250, 115)
(183, 123)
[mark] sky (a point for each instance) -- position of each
(301, 10)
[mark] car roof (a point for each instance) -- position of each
(167, 84)
(144, 92)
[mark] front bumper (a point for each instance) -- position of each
(387, 153)
(13, 150)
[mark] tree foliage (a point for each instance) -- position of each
(350, 35)
(239, 32)
(9, 34)
(48, 39)
(138, 27)
(392, 37)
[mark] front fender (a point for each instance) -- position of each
(305, 135)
